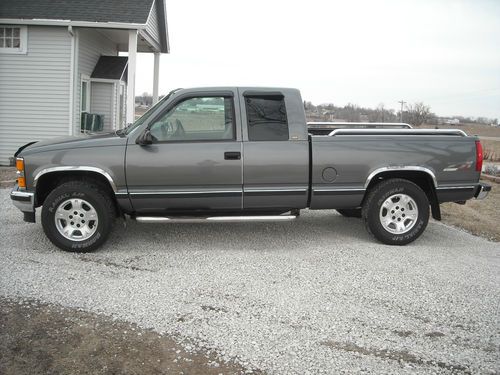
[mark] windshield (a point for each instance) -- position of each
(141, 120)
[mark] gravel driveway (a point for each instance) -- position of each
(314, 296)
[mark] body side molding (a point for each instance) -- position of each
(411, 168)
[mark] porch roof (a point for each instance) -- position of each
(104, 14)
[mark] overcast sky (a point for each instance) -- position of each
(444, 53)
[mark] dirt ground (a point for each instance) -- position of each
(43, 339)
(7, 176)
(479, 217)
(471, 129)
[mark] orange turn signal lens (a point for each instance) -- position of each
(21, 179)
(20, 164)
(21, 182)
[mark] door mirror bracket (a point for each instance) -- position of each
(146, 138)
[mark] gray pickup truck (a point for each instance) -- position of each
(243, 154)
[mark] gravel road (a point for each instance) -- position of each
(314, 296)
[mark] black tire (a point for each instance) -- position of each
(350, 212)
(372, 210)
(90, 192)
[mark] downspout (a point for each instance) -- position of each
(71, 81)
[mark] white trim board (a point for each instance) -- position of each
(101, 25)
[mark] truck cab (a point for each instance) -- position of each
(228, 149)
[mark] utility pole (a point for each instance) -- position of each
(402, 102)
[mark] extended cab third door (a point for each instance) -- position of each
(275, 149)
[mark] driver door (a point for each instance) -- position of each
(194, 162)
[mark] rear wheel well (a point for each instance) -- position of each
(49, 181)
(419, 178)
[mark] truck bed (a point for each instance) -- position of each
(345, 162)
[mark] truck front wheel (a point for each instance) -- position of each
(396, 211)
(78, 216)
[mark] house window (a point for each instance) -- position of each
(13, 39)
(85, 88)
(85, 96)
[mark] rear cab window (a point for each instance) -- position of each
(266, 117)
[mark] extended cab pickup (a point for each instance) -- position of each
(243, 153)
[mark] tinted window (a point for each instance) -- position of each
(266, 118)
(196, 119)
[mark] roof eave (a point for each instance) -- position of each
(162, 13)
(48, 22)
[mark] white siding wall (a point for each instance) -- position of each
(91, 45)
(102, 102)
(152, 24)
(34, 90)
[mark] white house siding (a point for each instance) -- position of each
(91, 45)
(152, 24)
(34, 90)
(102, 102)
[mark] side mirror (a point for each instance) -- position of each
(145, 138)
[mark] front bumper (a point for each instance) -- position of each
(25, 202)
(481, 191)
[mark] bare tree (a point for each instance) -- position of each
(417, 113)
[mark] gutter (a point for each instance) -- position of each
(48, 22)
(71, 80)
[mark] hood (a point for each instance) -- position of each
(71, 142)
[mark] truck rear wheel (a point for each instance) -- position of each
(396, 211)
(78, 216)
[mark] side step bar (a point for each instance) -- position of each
(162, 219)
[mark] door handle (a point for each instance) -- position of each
(232, 155)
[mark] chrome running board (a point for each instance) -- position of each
(184, 219)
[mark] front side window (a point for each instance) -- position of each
(266, 116)
(196, 119)
(13, 39)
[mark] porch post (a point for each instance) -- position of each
(156, 76)
(132, 58)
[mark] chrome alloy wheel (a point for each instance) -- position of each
(76, 219)
(398, 214)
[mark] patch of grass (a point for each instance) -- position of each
(479, 217)
(491, 149)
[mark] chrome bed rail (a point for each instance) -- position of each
(368, 125)
(451, 132)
